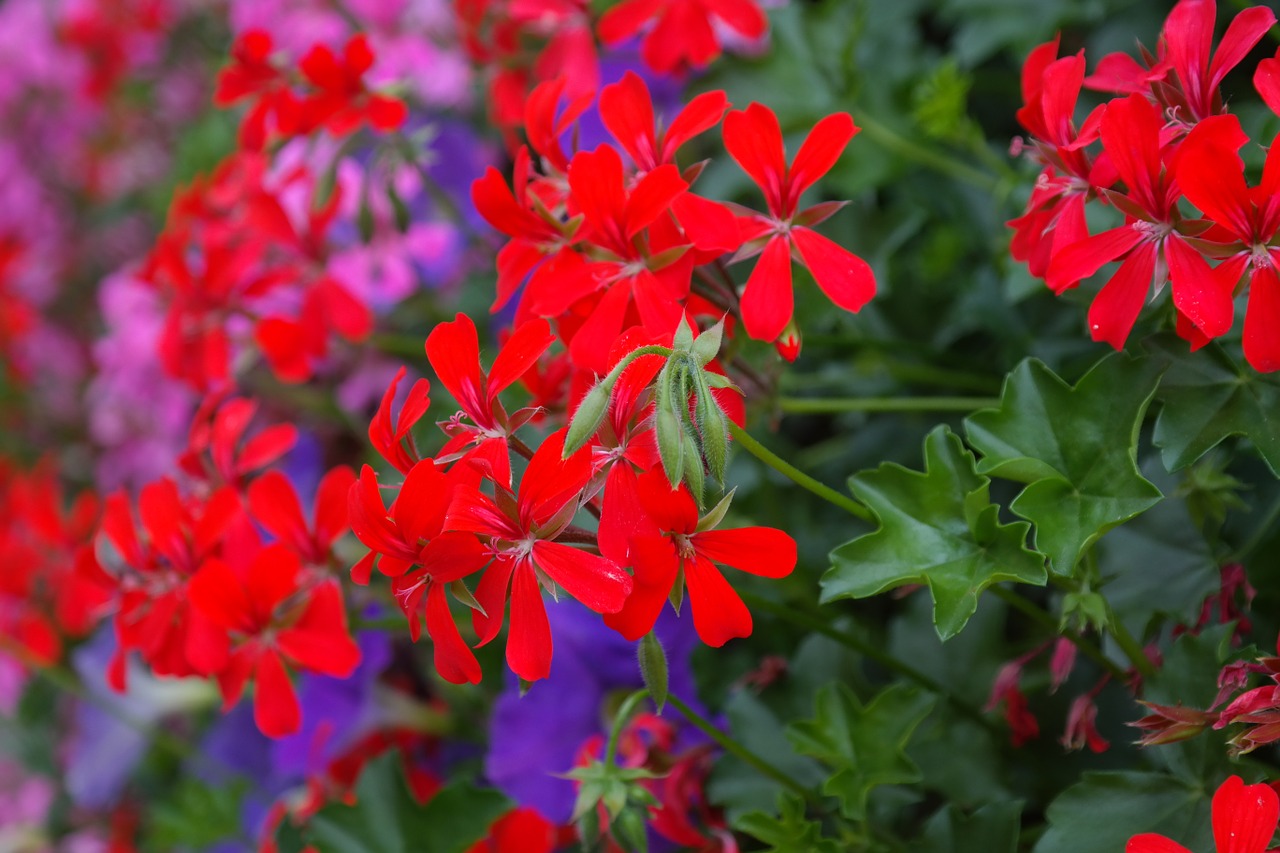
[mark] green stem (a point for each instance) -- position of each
(620, 722)
(1131, 647)
(406, 346)
(814, 622)
(948, 165)
(795, 475)
(1037, 614)
(1260, 533)
(745, 755)
(830, 405)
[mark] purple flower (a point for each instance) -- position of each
(336, 712)
(536, 736)
(111, 731)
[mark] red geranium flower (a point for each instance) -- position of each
(753, 138)
(680, 552)
(1244, 819)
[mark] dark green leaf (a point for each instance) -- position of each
(1206, 397)
(991, 829)
(1074, 447)
(790, 831)
(387, 819)
(737, 787)
(1104, 810)
(864, 746)
(937, 528)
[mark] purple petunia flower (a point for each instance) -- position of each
(537, 736)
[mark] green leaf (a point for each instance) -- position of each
(1206, 397)
(387, 819)
(864, 746)
(790, 831)
(196, 815)
(1104, 810)
(737, 787)
(937, 528)
(991, 829)
(1074, 447)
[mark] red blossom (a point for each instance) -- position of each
(753, 138)
(682, 35)
(1244, 819)
(274, 615)
(678, 552)
(523, 531)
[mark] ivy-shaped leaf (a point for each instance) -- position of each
(1207, 397)
(387, 819)
(937, 528)
(790, 831)
(863, 746)
(993, 828)
(1100, 813)
(1075, 448)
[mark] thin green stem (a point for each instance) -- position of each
(1260, 533)
(815, 622)
(407, 346)
(795, 475)
(1039, 615)
(620, 722)
(831, 405)
(745, 755)
(1131, 647)
(937, 160)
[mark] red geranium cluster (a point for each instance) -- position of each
(51, 588)
(612, 255)
(326, 90)
(607, 245)
(236, 263)
(198, 592)
(527, 42)
(1164, 155)
(463, 513)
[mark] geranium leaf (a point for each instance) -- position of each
(386, 819)
(790, 831)
(864, 746)
(1104, 810)
(936, 528)
(1208, 397)
(1074, 447)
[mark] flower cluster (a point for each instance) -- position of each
(1164, 155)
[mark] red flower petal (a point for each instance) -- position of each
(718, 612)
(1152, 843)
(818, 153)
(760, 551)
(529, 641)
(520, 353)
(753, 139)
(218, 594)
(1262, 321)
(1244, 816)
(767, 301)
(1196, 293)
(598, 583)
(319, 641)
(453, 659)
(656, 566)
(274, 504)
(275, 706)
(845, 278)
(1116, 307)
